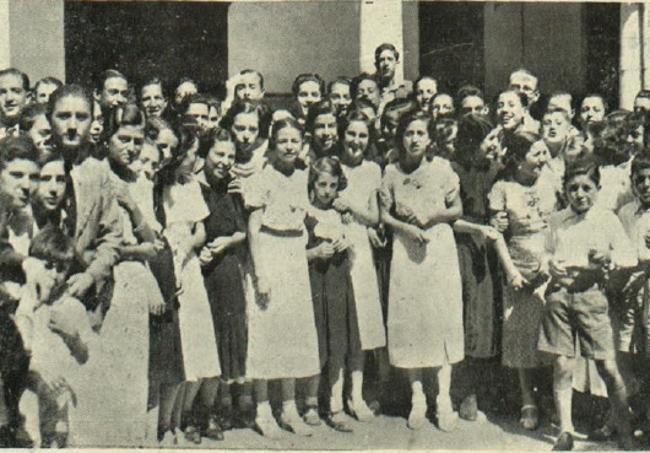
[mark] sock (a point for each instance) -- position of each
(264, 410)
(563, 402)
(417, 394)
(357, 386)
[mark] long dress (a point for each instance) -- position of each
(282, 340)
(331, 290)
(529, 210)
(184, 206)
(363, 183)
(425, 305)
(224, 279)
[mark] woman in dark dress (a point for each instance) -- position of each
(222, 260)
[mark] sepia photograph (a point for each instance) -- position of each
(324, 225)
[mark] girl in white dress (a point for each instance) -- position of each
(185, 211)
(358, 202)
(283, 342)
(419, 200)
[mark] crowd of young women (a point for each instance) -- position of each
(164, 258)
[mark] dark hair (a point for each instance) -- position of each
(329, 165)
(47, 158)
(354, 86)
(17, 73)
(186, 139)
(344, 123)
(323, 107)
(404, 123)
(308, 77)
(65, 91)
(257, 73)
(54, 246)
(596, 95)
(29, 114)
(643, 94)
(582, 167)
(282, 124)
(518, 146)
(472, 130)
(522, 97)
(218, 135)
(467, 91)
(131, 116)
(105, 75)
(48, 81)
(386, 46)
(640, 162)
(19, 147)
(260, 109)
(425, 77)
(400, 105)
(339, 81)
(196, 98)
(360, 104)
(153, 127)
(213, 101)
(154, 81)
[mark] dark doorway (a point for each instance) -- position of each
(142, 39)
(603, 49)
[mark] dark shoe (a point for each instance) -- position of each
(225, 418)
(213, 430)
(21, 438)
(627, 443)
(337, 422)
(529, 417)
(193, 434)
(602, 434)
(245, 418)
(469, 409)
(564, 442)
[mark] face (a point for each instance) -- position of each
(574, 148)
(41, 134)
(425, 91)
(12, 97)
(642, 104)
(220, 159)
(325, 132)
(43, 92)
(562, 102)
(114, 93)
(245, 129)
(416, 140)
(473, 105)
(288, 144)
(51, 185)
(386, 63)
(355, 140)
(201, 113)
(441, 105)
(526, 85)
(535, 160)
(213, 118)
(641, 183)
(555, 128)
(149, 160)
(325, 189)
(71, 120)
(249, 87)
(166, 142)
(510, 111)
(186, 168)
(635, 137)
(340, 97)
(153, 100)
(125, 145)
(97, 125)
(491, 148)
(308, 94)
(19, 179)
(369, 91)
(581, 192)
(391, 120)
(592, 110)
(183, 90)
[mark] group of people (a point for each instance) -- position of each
(163, 258)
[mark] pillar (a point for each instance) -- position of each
(5, 43)
(645, 45)
(380, 21)
(630, 70)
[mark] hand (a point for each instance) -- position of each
(325, 250)
(156, 306)
(149, 250)
(633, 285)
(347, 218)
(263, 292)
(489, 233)
(205, 257)
(219, 245)
(340, 245)
(54, 382)
(500, 221)
(416, 234)
(61, 324)
(341, 205)
(235, 186)
(599, 257)
(39, 280)
(79, 284)
(375, 239)
(516, 280)
(557, 269)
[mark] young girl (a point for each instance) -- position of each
(338, 93)
(588, 246)
(521, 206)
(322, 128)
(308, 89)
(331, 288)
(184, 211)
(283, 342)
(358, 201)
(425, 308)
(223, 258)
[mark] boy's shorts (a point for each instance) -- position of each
(584, 313)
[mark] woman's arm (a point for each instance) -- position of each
(368, 216)
(450, 213)
(198, 235)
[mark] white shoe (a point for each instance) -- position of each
(295, 424)
(268, 427)
(417, 416)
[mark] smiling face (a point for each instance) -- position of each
(288, 144)
(19, 179)
(581, 192)
(13, 98)
(533, 164)
(308, 94)
(325, 132)
(124, 145)
(153, 100)
(510, 111)
(220, 159)
(425, 91)
(51, 185)
(355, 140)
(340, 97)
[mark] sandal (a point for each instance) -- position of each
(336, 421)
(529, 417)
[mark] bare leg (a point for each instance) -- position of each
(563, 391)
(290, 416)
(264, 420)
(357, 404)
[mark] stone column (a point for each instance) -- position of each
(5, 42)
(630, 69)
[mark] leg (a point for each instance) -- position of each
(290, 417)
(311, 401)
(168, 393)
(529, 412)
(335, 418)
(245, 407)
(192, 432)
(417, 417)
(207, 399)
(29, 407)
(617, 399)
(563, 395)
(264, 420)
(447, 418)
(356, 403)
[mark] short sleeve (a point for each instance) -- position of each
(452, 186)
(386, 195)
(497, 197)
(255, 192)
(624, 253)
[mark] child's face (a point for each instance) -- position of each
(369, 91)
(325, 189)
(425, 91)
(213, 118)
(581, 192)
(125, 145)
(641, 183)
(416, 140)
(308, 95)
(288, 144)
(13, 96)
(442, 104)
(592, 110)
(555, 128)
(391, 121)
(355, 140)
(57, 272)
(340, 97)
(245, 129)
(535, 160)
(249, 87)
(41, 134)
(473, 105)
(43, 92)
(51, 185)
(19, 179)
(149, 160)
(166, 142)
(325, 131)
(201, 113)
(220, 159)
(153, 100)
(183, 90)
(510, 111)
